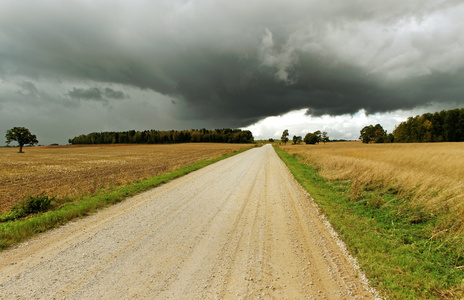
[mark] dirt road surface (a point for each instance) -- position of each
(239, 229)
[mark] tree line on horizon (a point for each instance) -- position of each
(310, 138)
(225, 135)
(443, 126)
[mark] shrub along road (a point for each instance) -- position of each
(241, 228)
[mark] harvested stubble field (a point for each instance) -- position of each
(432, 173)
(70, 171)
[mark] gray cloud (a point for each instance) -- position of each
(86, 94)
(110, 93)
(234, 63)
(96, 94)
(28, 89)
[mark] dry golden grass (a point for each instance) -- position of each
(410, 243)
(69, 171)
(433, 173)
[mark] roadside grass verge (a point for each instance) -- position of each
(396, 245)
(15, 231)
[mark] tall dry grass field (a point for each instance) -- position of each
(432, 173)
(69, 171)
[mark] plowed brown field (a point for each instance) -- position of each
(68, 171)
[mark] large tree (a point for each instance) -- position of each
(374, 134)
(21, 135)
(313, 138)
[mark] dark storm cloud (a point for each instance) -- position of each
(110, 93)
(86, 94)
(235, 62)
(96, 94)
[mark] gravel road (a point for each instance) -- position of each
(241, 228)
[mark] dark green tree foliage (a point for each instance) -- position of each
(284, 137)
(314, 138)
(21, 135)
(225, 135)
(296, 140)
(443, 126)
(325, 137)
(374, 134)
(390, 138)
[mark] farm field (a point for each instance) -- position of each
(241, 228)
(70, 171)
(432, 172)
(399, 208)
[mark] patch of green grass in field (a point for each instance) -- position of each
(397, 246)
(18, 230)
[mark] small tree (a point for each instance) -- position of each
(296, 140)
(325, 137)
(367, 134)
(284, 136)
(21, 135)
(318, 134)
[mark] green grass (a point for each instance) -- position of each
(397, 246)
(18, 230)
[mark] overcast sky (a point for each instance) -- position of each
(77, 66)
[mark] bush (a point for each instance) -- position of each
(27, 207)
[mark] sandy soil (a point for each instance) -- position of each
(241, 228)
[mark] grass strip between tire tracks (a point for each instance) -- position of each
(399, 254)
(16, 231)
